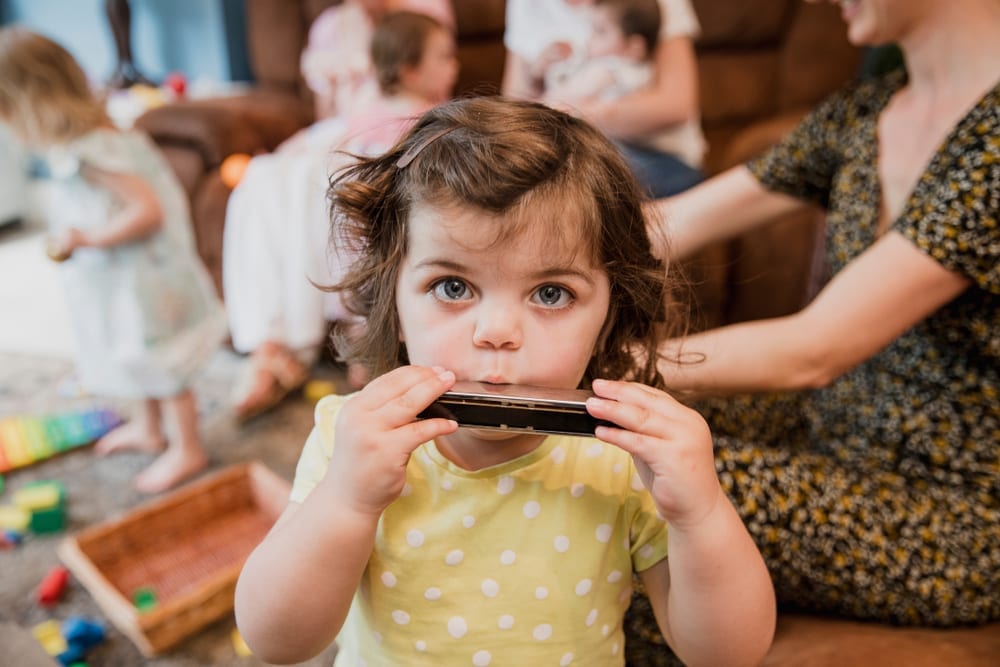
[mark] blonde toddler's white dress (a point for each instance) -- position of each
(145, 314)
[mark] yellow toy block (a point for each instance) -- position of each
(14, 518)
(37, 497)
(240, 645)
(49, 635)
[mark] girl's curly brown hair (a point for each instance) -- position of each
(505, 158)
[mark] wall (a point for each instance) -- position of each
(201, 38)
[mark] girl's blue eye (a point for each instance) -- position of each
(451, 289)
(552, 295)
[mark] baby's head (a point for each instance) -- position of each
(505, 179)
(44, 94)
(415, 54)
(627, 28)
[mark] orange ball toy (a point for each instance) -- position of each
(233, 168)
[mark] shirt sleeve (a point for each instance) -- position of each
(517, 34)
(804, 163)
(956, 218)
(318, 450)
(108, 150)
(678, 19)
(647, 532)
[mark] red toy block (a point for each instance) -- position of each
(53, 586)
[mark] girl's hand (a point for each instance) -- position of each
(60, 247)
(377, 430)
(670, 443)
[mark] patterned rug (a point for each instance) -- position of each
(100, 488)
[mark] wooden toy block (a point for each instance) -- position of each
(27, 439)
(33, 436)
(15, 449)
(78, 631)
(144, 598)
(13, 517)
(49, 635)
(38, 496)
(239, 644)
(53, 586)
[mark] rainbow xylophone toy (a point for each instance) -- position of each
(26, 439)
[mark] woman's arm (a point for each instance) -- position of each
(888, 289)
(720, 208)
(671, 99)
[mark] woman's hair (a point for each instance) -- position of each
(44, 94)
(399, 41)
(522, 164)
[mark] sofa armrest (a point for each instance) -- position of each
(215, 128)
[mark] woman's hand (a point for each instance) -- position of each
(377, 430)
(670, 443)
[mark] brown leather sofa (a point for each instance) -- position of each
(762, 63)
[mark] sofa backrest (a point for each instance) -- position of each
(756, 58)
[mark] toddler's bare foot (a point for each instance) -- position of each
(131, 436)
(169, 469)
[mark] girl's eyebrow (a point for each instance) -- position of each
(550, 272)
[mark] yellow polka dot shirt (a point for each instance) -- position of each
(528, 562)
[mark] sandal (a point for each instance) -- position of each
(272, 374)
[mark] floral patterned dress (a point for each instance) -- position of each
(878, 497)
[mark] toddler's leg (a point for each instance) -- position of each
(142, 433)
(184, 455)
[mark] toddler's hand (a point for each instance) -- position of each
(550, 55)
(670, 443)
(377, 430)
(60, 247)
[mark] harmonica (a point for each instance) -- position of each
(510, 407)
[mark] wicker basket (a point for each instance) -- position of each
(188, 547)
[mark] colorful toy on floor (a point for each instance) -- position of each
(70, 642)
(232, 169)
(50, 637)
(144, 598)
(45, 501)
(25, 440)
(81, 635)
(53, 586)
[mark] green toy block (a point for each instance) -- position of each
(50, 518)
(144, 598)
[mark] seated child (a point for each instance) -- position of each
(502, 242)
(275, 239)
(618, 58)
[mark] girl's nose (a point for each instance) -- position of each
(498, 326)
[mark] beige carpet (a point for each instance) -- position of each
(32, 309)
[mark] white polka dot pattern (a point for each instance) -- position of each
(528, 564)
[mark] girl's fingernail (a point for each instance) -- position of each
(446, 375)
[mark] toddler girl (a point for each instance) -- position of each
(502, 242)
(142, 307)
